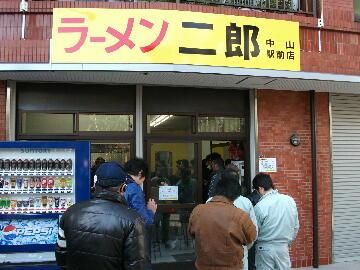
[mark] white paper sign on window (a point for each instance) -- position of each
(168, 193)
(267, 165)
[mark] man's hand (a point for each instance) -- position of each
(151, 205)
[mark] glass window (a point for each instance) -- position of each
(119, 152)
(105, 122)
(357, 10)
(47, 123)
(165, 124)
(221, 124)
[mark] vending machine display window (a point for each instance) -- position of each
(38, 182)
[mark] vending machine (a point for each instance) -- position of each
(38, 182)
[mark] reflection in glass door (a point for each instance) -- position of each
(173, 184)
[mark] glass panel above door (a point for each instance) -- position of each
(119, 152)
(169, 124)
(221, 124)
(47, 123)
(106, 122)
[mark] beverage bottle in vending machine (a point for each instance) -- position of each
(62, 203)
(31, 202)
(32, 164)
(26, 164)
(32, 182)
(1, 164)
(44, 201)
(56, 164)
(26, 182)
(19, 182)
(68, 165)
(6, 182)
(50, 182)
(37, 202)
(50, 164)
(38, 164)
(7, 165)
(19, 165)
(62, 164)
(13, 204)
(13, 164)
(44, 164)
(69, 182)
(38, 182)
(44, 182)
(13, 181)
(63, 182)
(57, 202)
(2, 181)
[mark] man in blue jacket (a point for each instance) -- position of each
(278, 224)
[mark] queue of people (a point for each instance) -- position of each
(112, 231)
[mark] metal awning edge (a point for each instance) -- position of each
(35, 67)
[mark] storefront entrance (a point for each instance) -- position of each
(183, 126)
(178, 127)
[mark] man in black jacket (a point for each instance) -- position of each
(102, 233)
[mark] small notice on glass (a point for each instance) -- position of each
(267, 165)
(168, 193)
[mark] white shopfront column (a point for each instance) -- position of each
(139, 122)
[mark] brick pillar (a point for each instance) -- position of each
(324, 177)
(280, 114)
(2, 110)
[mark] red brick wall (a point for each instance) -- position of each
(2, 110)
(280, 114)
(324, 177)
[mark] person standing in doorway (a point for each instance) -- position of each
(220, 230)
(97, 163)
(217, 166)
(278, 223)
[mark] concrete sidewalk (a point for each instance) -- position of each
(336, 266)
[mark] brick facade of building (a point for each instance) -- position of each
(281, 114)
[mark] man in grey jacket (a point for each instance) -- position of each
(278, 224)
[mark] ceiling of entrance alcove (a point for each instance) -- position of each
(187, 79)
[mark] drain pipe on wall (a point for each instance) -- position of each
(314, 181)
(23, 8)
(321, 22)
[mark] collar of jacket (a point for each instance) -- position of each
(268, 194)
(110, 196)
(221, 199)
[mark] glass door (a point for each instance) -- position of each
(174, 184)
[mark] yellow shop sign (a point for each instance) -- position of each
(150, 36)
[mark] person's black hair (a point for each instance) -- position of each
(218, 161)
(263, 180)
(99, 161)
(135, 166)
(214, 156)
(227, 162)
(228, 185)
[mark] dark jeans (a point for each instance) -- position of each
(148, 240)
(251, 257)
